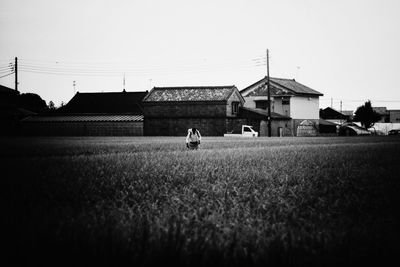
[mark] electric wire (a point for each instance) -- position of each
(7, 75)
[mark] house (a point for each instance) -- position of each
(383, 112)
(172, 110)
(113, 113)
(349, 114)
(10, 111)
(289, 98)
(332, 115)
(394, 115)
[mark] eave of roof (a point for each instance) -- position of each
(284, 83)
(84, 118)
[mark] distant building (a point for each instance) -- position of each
(332, 115)
(289, 98)
(10, 112)
(394, 115)
(383, 112)
(349, 114)
(114, 113)
(171, 111)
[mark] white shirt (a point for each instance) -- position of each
(193, 137)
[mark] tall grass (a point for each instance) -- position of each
(234, 202)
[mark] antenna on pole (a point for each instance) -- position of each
(74, 84)
(124, 82)
(269, 97)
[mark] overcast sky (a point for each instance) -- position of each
(349, 50)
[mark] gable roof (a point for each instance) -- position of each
(191, 94)
(110, 103)
(330, 114)
(279, 87)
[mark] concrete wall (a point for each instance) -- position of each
(276, 104)
(276, 125)
(250, 101)
(302, 107)
(82, 128)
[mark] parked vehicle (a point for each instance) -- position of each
(247, 131)
(394, 132)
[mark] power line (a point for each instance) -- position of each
(138, 71)
(7, 75)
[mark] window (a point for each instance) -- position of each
(285, 101)
(246, 129)
(235, 108)
(262, 104)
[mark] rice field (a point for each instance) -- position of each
(144, 201)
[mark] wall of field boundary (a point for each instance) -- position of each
(103, 128)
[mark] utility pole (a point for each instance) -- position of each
(331, 102)
(16, 73)
(269, 97)
(74, 84)
(340, 106)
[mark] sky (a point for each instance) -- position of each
(349, 50)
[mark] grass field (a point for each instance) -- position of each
(235, 202)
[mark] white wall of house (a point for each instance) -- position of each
(250, 101)
(304, 107)
(300, 107)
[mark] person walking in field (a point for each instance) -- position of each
(193, 138)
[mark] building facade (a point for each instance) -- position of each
(92, 114)
(170, 111)
(289, 98)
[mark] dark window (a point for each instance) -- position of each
(285, 101)
(235, 107)
(262, 104)
(246, 129)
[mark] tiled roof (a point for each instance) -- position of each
(111, 103)
(280, 86)
(195, 93)
(84, 118)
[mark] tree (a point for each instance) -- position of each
(366, 115)
(51, 105)
(32, 102)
